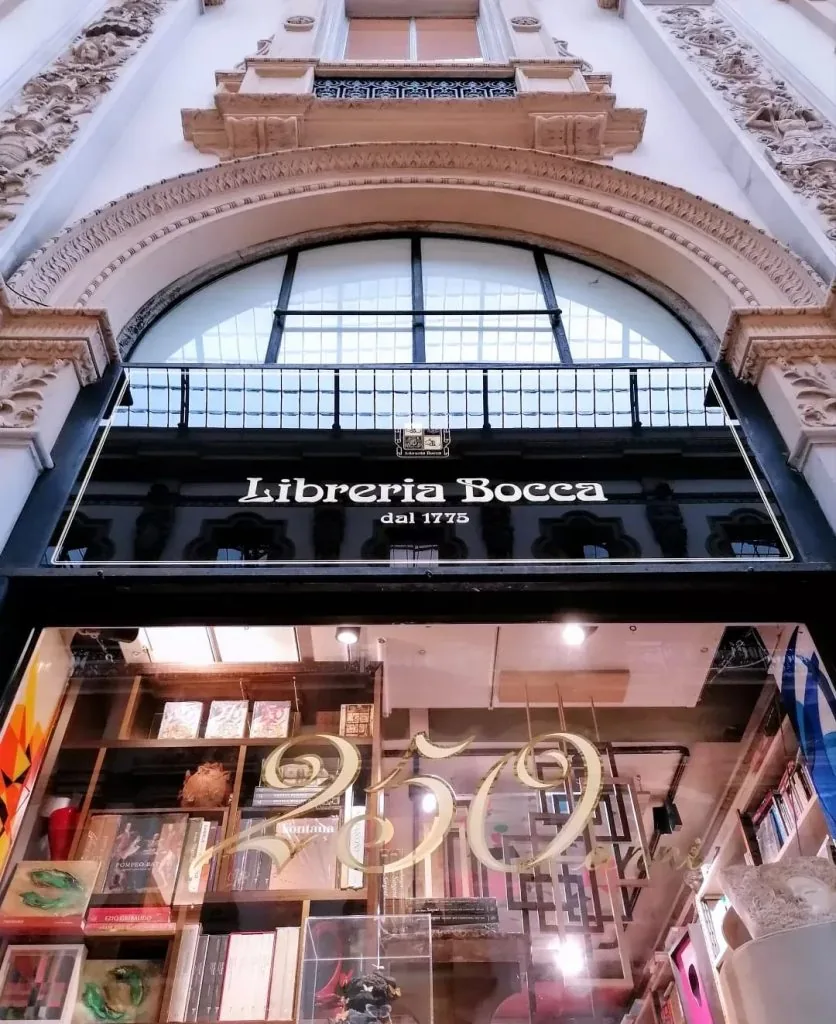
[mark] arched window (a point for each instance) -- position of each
(417, 300)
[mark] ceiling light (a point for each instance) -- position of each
(428, 803)
(348, 634)
(569, 956)
(574, 634)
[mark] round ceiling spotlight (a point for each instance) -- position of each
(574, 634)
(348, 634)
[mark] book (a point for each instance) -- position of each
(137, 918)
(128, 991)
(282, 1001)
(97, 842)
(314, 866)
(356, 720)
(271, 719)
(40, 982)
(180, 987)
(181, 720)
(146, 855)
(246, 984)
(48, 895)
(196, 978)
(209, 998)
(192, 884)
(227, 719)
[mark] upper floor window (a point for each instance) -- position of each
(403, 300)
(418, 39)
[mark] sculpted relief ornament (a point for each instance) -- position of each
(46, 114)
(798, 141)
(22, 386)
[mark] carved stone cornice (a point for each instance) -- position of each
(22, 387)
(45, 116)
(708, 236)
(30, 335)
(758, 337)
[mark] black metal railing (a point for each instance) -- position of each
(457, 397)
(414, 88)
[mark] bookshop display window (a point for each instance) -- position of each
(558, 821)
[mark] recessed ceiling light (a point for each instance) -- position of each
(348, 634)
(574, 634)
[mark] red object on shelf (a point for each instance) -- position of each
(60, 829)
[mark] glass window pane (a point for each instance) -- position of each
(482, 289)
(378, 39)
(609, 320)
(227, 321)
(334, 287)
(447, 39)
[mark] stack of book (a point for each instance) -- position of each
(314, 866)
(240, 976)
(776, 817)
(267, 796)
(458, 912)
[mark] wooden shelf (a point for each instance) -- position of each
(198, 744)
(807, 836)
(221, 898)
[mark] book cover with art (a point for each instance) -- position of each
(271, 719)
(356, 720)
(181, 720)
(146, 854)
(40, 982)
(227, 719)
(48, 892)
(127, 991)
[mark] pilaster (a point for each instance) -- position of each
(46, 356)
(790, 356)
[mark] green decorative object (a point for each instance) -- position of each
(119, 992)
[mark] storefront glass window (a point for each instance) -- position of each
(524, 822)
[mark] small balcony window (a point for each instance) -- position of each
(418, 39)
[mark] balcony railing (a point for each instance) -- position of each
(333, 88)
(511, 397)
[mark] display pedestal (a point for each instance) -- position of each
(782, 977)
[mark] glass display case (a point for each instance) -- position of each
(367, 969)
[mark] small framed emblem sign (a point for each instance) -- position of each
(418, 442)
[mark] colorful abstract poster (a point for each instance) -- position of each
(26, 731)
(809, 698)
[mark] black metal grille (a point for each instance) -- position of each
(390, 397)
(414, 88)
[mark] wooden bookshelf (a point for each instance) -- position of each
(105, 757)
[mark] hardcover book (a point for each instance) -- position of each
(356, 720)
(40, 982)
(271, 719)
(127, 991)
(246, 982)
(191, 884)
(48, 895)
(227, 719)
(146, 855)
(181, 720)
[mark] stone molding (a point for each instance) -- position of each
(275, 97)
(814, 385)
(709, 236)
(797, 140)
(43, 119)
(756, 338)
(46, 337)
(22, 387)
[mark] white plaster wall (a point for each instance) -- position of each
(152, 146)
(674, 149)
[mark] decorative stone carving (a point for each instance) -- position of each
(249, 136)
(22, 386)
(564, 52)
(702, 231)
(576, 135)
(608, 5)
(815, 388)
(47, 336)
(523, 23)
(46, 114)
(299, 23)
(797, 140)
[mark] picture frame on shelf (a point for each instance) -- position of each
(40, 982)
